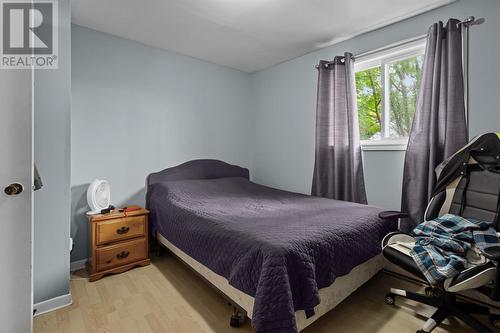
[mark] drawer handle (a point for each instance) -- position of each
(122, 255)
(122, 230)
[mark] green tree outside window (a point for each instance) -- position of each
(403, 83)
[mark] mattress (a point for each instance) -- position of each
(280, 248)
(330, 296)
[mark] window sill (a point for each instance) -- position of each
(384, 145)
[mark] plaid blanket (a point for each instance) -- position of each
(441, 245)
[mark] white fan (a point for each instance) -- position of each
(98, 196)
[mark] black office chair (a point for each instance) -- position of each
(468, 185)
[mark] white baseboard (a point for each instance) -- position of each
(52, 304)
(79, 264)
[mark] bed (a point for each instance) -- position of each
(283, 258)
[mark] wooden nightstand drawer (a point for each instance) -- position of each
(120, 254)
(120, 229)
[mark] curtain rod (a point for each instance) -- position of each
(390, 46)
(466, 23)
(384, 48)
(471, 20)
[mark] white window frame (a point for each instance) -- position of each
(383, 58)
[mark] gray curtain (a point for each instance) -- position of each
(439, 127)
(338, 169)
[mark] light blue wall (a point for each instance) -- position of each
(52, 98)
(138, 109)
(285, 98)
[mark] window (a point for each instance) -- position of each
(387, 84)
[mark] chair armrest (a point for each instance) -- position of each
(492, 252)
(392, 214)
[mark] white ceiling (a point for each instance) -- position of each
(248, 35)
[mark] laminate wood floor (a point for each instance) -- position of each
(167, 297)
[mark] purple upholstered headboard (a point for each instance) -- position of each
(198, 169)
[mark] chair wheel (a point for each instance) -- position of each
(235, 321)
(422, 331)
(430, 292)
(495, 320)
(389, 299)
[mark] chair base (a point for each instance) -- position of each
(447, 306)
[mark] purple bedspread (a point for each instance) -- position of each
(277, 246)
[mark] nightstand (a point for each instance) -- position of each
(119, 242)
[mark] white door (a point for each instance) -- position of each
(16, 168)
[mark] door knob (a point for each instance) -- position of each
(13, 189)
